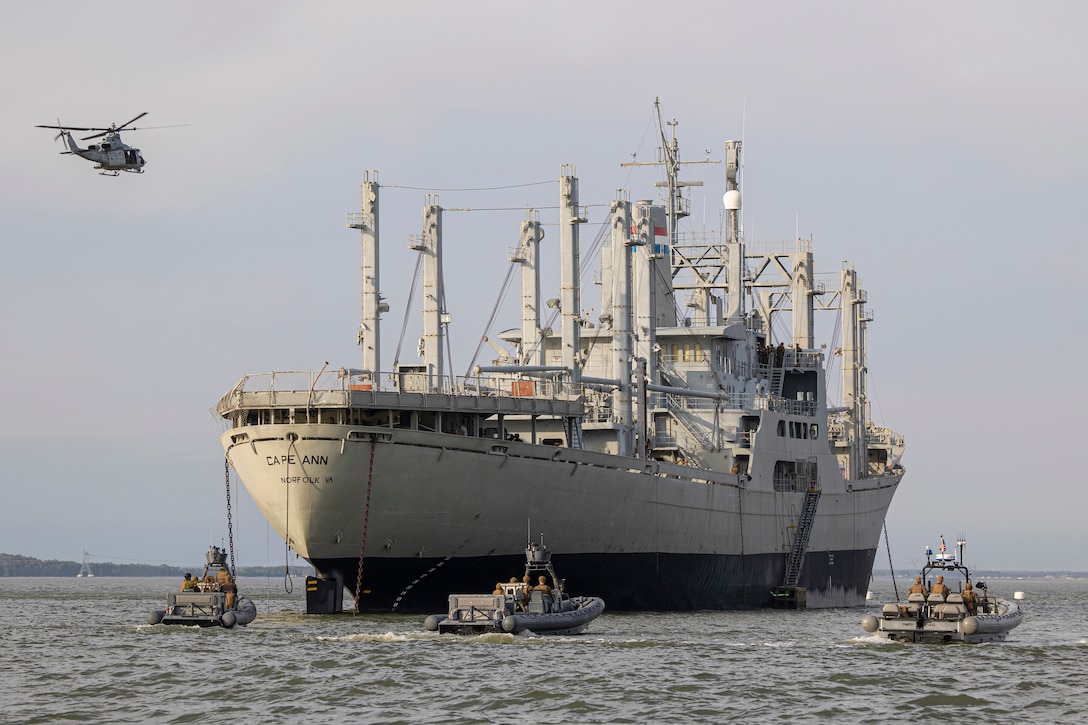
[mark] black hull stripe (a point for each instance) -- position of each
(626, 582)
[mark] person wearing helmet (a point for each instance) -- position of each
(940, 588)
(970, 599)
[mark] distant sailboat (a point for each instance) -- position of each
(85, 570)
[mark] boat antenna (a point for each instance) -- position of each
(743, 133)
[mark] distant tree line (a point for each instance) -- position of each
(17, 565)
(983, 574)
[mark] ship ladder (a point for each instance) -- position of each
(689, 423)
(573, 428)
(796, 557)
(778, 374)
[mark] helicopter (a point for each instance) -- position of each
(111, 155)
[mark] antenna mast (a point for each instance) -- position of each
(679, 207)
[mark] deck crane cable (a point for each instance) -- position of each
(481, 188)
(550, 322)
(366, 520)
(449, 347)
(491, 319)
(586, 272)
(408, 308)
(505, 290)
(832, 365)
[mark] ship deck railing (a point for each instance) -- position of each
(347, 388)
(792, 359)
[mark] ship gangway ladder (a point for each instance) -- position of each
(688, 422)
(778, 375)
(789, 595)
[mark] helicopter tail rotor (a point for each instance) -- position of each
(63, 134)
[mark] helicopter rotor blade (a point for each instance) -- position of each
(149, 128)
(132, 121)
(73, 128)
(103, 131)
(134, 128)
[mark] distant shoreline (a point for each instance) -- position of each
(12, 565)
(998, 574)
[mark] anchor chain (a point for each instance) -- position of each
(288, 582)
(366, 519)
(888, 545)
(230, 525)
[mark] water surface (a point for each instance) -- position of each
(79, 650)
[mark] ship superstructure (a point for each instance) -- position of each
(679, 454)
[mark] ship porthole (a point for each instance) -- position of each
(292, 436)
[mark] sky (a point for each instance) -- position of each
(937, 146)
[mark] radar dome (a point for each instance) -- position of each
(731, 200)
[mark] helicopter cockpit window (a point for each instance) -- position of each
(105, 147)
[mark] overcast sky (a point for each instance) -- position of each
(939, 146)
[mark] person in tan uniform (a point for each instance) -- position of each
(970, 599)
(225, 584)
(940, 588)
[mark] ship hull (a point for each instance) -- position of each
(436, 513)
(635, 582)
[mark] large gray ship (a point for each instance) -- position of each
(679, 451)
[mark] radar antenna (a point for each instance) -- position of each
(679, 207)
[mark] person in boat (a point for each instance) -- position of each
(918, 587)
(498, 588)
(940, 588)
(970, 599)
(188, 584)
(526, 590)
(224, 583)
(542, 585)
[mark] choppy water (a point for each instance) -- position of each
(77, 650)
